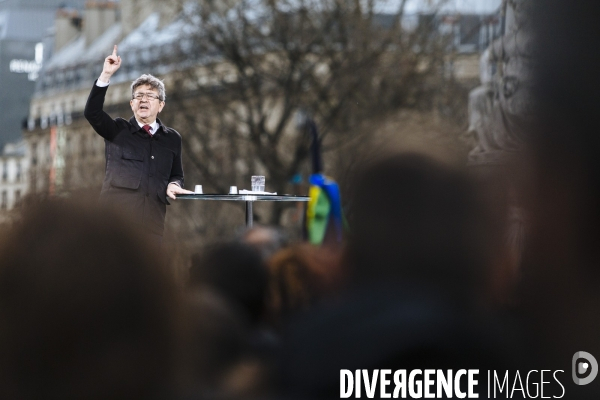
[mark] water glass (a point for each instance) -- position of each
(258, 183)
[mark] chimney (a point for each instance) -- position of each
(134, 12)
(67, 25)
(99, 16)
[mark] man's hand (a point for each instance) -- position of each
(111, 65)
(174, 189)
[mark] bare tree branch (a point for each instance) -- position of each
(262, 62)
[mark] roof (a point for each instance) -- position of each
(146, 48)
(14, 149)
(146, 36)
(76, 52)
(145, 44)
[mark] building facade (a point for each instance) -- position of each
(13, 177)
(25, 26)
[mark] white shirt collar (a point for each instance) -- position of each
(153, 126)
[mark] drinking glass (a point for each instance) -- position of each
(258, 183)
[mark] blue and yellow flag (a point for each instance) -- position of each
(324, 218)
(324, 210)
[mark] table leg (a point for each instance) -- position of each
(249, 215)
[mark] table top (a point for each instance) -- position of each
(243, 197)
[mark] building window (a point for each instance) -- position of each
(19, 171)
(4, 200)
(34, 154)
(4, 171)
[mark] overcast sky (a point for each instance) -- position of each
(462, 6)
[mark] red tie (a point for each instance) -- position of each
(147, 128)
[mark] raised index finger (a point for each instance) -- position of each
(115, 51)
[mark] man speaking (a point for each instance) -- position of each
(143, 157)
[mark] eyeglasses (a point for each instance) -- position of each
(149, 96)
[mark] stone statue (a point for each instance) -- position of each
(500, 114)
(500, 110)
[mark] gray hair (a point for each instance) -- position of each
(153, 82)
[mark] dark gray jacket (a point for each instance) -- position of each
(138, 167)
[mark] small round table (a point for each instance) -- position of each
(248, 198)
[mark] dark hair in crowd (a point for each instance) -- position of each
(414, 218)
(237, 272)
(86, 309)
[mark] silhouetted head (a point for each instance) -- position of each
(561, 275)
(414, 219)
(86, 309)
(266, 239)
(236, 271)
(216, 340)
(299, 277)
(566, 144)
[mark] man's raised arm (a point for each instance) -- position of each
(101, 121)
(111, 64)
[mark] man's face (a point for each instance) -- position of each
(146, 108)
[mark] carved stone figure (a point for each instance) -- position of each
(501, 108)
